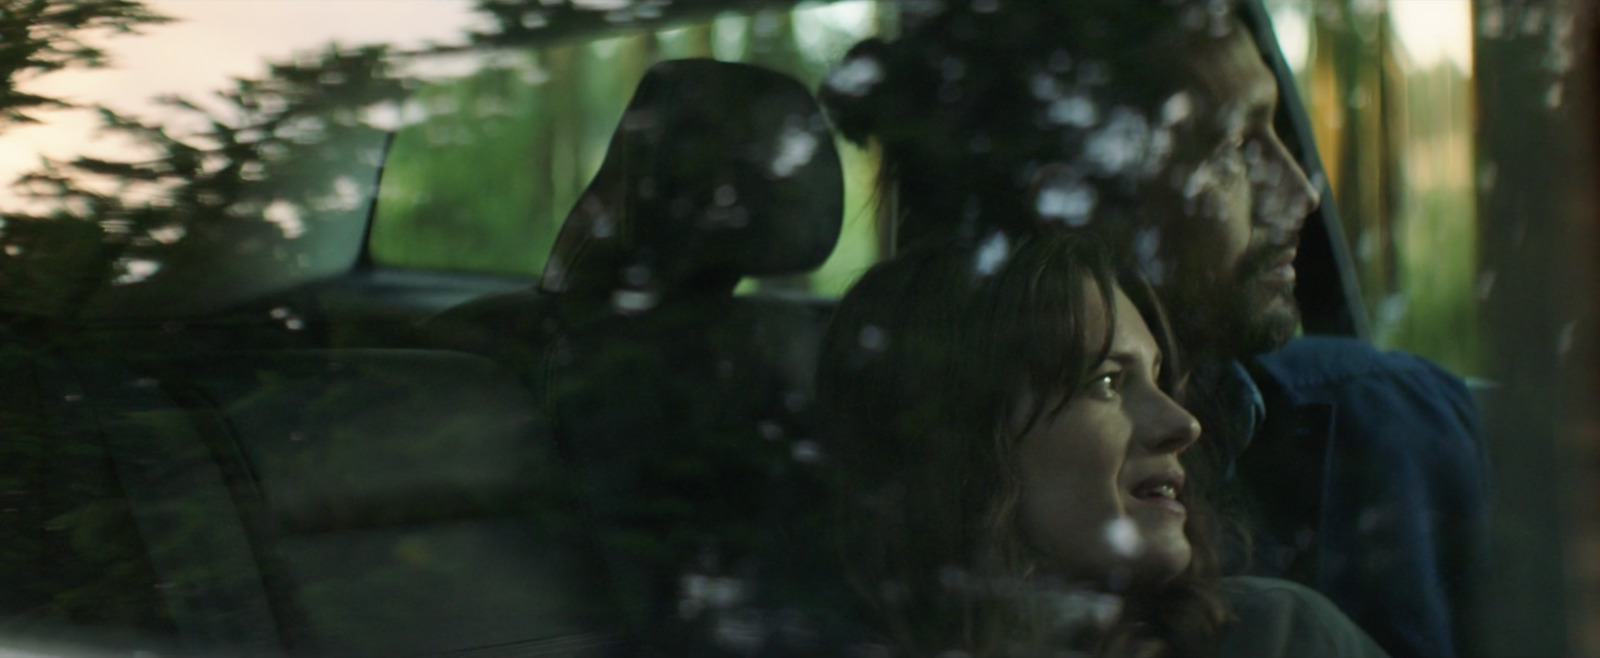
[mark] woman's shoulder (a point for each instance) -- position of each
(1277, 617)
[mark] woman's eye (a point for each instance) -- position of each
(1105, 386)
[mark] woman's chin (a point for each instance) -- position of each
(1161, 561)
(1165, 551)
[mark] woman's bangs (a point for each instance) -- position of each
(1044, 309)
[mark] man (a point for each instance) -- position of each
(1153, 125)
(1362, 469)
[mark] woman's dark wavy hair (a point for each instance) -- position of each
(964, 105)
(920, 372)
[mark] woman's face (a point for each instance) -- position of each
(1100, 474)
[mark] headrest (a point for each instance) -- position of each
(717, 171)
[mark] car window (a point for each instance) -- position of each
(1395, 133)
(535, 121)
(284, 370)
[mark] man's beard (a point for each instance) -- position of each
(1259, 316)
(1238, 316)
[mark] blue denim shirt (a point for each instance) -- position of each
(1368, 480)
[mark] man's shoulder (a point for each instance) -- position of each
(1320, 361)
(1369, 389)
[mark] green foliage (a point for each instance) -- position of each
(1434, 312)
(484, 182)
(468, 188)
(1438, 316)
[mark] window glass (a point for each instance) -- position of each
(1390, 97)
(486, 165)
(277, 376)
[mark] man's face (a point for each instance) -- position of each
(1231, 207)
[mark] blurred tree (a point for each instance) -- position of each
(1395, 138)
(236, 207)
(1535, 64)
(1357, 91)
(41, 36)
(72, 553)
(473, 185)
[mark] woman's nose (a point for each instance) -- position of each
(1169, 427)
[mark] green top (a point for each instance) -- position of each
(1282, 618)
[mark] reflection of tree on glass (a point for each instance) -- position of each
(274, 188)
(1009, 460)
(48, 267)
(39, 37)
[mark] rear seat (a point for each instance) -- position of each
(405, 501)
(351, 502)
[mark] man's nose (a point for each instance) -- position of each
(1286, 196)
(1310, 196)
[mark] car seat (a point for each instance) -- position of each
(685, 409)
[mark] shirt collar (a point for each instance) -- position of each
(1244, 410)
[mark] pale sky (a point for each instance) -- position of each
(211, 41)
(1428, 30)
(1432, 30)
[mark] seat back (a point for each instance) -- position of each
(684, 410)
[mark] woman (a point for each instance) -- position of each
(1007, 455)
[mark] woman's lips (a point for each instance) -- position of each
(1166, 504)
(1161, 491)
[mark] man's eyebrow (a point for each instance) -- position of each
(1263, 112)
(1263, 100)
